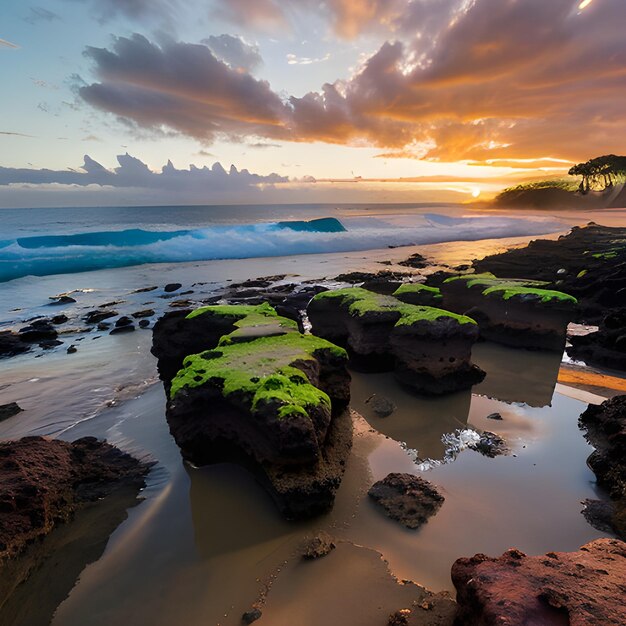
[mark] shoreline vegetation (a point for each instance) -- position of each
(259, 374)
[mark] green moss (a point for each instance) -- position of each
(582, 273)
(508, 288)
(359, 302)
(261, 372)
(234, 310)
(417, 288)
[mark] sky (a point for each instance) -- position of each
(114, 102)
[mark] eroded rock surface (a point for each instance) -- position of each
(42, 484)
(428, 349)
(586, 587)
(407, 499)
(245, 386)
(605, 429)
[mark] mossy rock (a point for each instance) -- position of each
(418, 294)
(507, 288)
(363, 304)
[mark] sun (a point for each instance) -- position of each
(584, 4)
(475, 192)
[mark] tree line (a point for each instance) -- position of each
(600, 173)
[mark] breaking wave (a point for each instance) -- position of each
(68, 253)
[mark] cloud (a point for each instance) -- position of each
(133, 173)
(184, 87)
(462, 79)
(234, 51)
(292, 59)
(7, 44)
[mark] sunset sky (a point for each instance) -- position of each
(458, 96)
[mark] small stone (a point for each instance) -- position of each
(104, 326)
(59, 300)
(59, 319)
(123, 321)
(9, 410)
(251, 616)
(495, 416)
(144, 323)
(93, 317)
(399, 618)
(72, 349)
(144, 289)
(48, 344)
(122, 329)
(383, 407)
(171, 287)
(318, 546)
(141, 314)
(407, 499)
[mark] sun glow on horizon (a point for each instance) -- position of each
(584, 4)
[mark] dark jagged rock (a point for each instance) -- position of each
(594, 260)
(407, 499)
(48, 344)
(59, 319)
(72, 349)
(9, 410)
(607, 346)
(11, 344)
(145, 289)
(318, 546)
(118, 330)
(605, 429)
(245, 386)
(145, 313)
(416, 261)
(94, 317)
(144, 323)
(42, 485)
(361, 277)
(171, 287)
(512, 312)
(578, 588)
(251, 616)
(428, 349)
(104, 326)
(494, 416)
(123, 321)
(38, 330)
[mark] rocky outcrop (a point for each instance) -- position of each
(43, 483)
(605, 429)
(428, 349)
(589, 263)
(518, 313)
(9, 410)
(578, 588)
(245, 386)
(607, 346)
(419, 294)
(407, 499)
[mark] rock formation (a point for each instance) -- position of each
(578, 588)
(518, 313)
(245, 386)
(429, 349)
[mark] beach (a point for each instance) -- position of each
(203, 545)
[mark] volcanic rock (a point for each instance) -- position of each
(42, 484)
(9, 410)
(245, 386)
(512, 312)
(141, 314)
(578, 588)
(427, 348)
(407, 499)
(38, 330)
(93, 317)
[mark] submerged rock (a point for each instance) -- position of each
(382, 407)
(94, 317)
(517, 313)
(428, 349)
(42, 484)
(583, 587)
(490, 444)
(9, 410)
(251, 616)
(407, 499)
(318, 546)
(605, 429)
(245, 386)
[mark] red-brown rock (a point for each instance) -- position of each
(583, 588)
